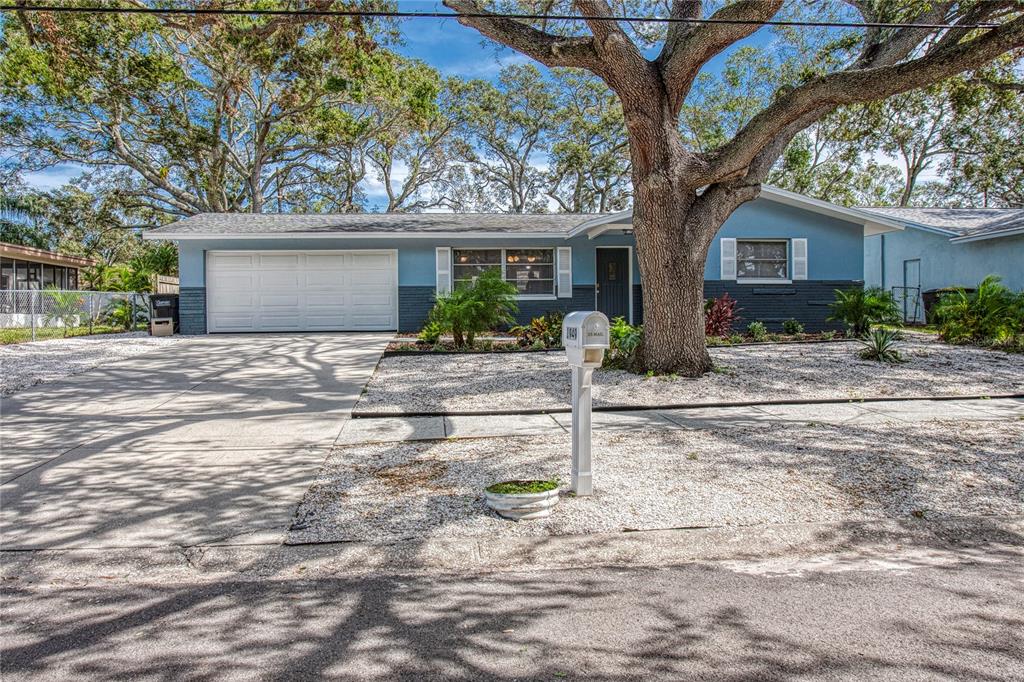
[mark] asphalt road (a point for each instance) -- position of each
(809, 620)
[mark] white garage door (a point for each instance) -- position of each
(272, 291)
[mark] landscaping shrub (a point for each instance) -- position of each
(880, 345)
(757, 331)
(991, 314)
(542, 332)
(485, 303)
(719, 315)
(63, 307)
(624, 341)
(430, 334)
(736, 338)
(118, 313)
(860, 308)
(793, 327)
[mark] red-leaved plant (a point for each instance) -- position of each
(720, 315)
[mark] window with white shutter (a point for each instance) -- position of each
(444, 269)
(564, 272)
(799, 259)
(728, 250)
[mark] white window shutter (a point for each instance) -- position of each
(728, 249)
(444, 269)
(799, 259)
(564, 272)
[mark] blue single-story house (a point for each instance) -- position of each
(781, 256)
(944, 247)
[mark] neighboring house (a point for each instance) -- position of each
(782, 256)
(944, 247)
(25, 267)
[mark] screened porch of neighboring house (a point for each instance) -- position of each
(24, 268)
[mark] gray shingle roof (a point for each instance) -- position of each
(426, 223)
(965, 222)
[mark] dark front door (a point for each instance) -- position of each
(613, 285)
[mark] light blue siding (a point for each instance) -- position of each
(415, 256)
(835, 248)
(943, 263)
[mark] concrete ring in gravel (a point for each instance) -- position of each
(523, 506)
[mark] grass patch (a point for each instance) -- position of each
(522, 487)
(24, 334)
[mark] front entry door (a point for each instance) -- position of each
(613, 285)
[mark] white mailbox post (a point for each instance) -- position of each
(585, 337)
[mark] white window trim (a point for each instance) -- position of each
(522, 297)
(766, 280)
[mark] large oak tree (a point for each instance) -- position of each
(213, 112)
(681, 195)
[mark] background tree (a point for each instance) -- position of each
(209, 113)
(506, 129)
(682, 194)
(411, 153)
(589, 156)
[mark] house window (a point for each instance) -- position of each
(532, 271)
(468, 264)
(762, 259)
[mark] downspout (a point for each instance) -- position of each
(881, 261)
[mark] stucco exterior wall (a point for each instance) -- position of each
(835, 258)
(943, 263)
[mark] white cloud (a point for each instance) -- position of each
(51, 178)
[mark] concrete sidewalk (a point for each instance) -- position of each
(394, 429)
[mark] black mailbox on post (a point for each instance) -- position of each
(164, 306)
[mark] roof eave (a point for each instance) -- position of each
(872, 223)
(408, 234)
(987, 235)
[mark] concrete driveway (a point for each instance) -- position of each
(213, 440)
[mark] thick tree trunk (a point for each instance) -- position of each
(672, 273)
(673, 230)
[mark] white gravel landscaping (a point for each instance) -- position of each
(26, 364)
(672, 478)
(507, 381)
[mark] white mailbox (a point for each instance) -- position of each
(585, 337)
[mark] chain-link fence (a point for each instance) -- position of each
(29, 315)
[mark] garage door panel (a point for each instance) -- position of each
(221, 262)
(324, 279)
(233, 280)
(377, 301)
(275, 279)
(329, 261)
(275, 260)
(285, 301)
(363, 279)
(309, 291)
(371, 322)
(373, 261)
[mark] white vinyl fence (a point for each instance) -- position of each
(50, 313)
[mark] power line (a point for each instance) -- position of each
(397, 14)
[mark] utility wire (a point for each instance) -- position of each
(397, 14)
